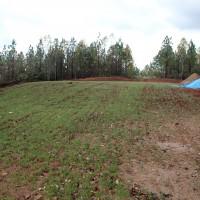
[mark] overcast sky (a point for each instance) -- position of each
(142, 24)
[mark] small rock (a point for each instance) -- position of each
(87, 158)
(4, 174)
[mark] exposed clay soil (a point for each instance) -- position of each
(167, 157)
(191, 91)
(19, 192)
(191, 78)
(120, 78)
(111, 78)
(164, 80)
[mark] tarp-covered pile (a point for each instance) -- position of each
(192, 82)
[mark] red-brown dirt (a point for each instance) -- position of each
(191, 91)
(120, 78)
(164, 80)
(111, 78)
(191, 78)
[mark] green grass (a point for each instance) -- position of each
(69, 139)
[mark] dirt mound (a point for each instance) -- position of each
(190, 78)
(111, 78)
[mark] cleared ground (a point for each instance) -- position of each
(99, 140)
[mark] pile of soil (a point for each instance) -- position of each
(190, 78)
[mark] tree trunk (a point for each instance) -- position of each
(182, 67)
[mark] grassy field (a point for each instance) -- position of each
(83, 140)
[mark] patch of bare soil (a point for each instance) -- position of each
(17, 192)
(167, 158)
(110, 78)
(169, 162)
(192, 91)
(161, 80)
(170, 99)
(20, 192)
(121, 78)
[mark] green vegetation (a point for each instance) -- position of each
(68, 139)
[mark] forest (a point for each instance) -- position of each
(60, 60)
(176, 64)
(54, 59)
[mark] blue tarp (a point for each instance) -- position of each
(193, 85)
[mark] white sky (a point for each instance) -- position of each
(142, 24)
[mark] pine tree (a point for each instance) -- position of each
(166, 56)
(191, 56)
(182, 56)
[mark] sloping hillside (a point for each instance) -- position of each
(99, 140)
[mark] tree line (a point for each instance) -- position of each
(59, 60)
(177, 64)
